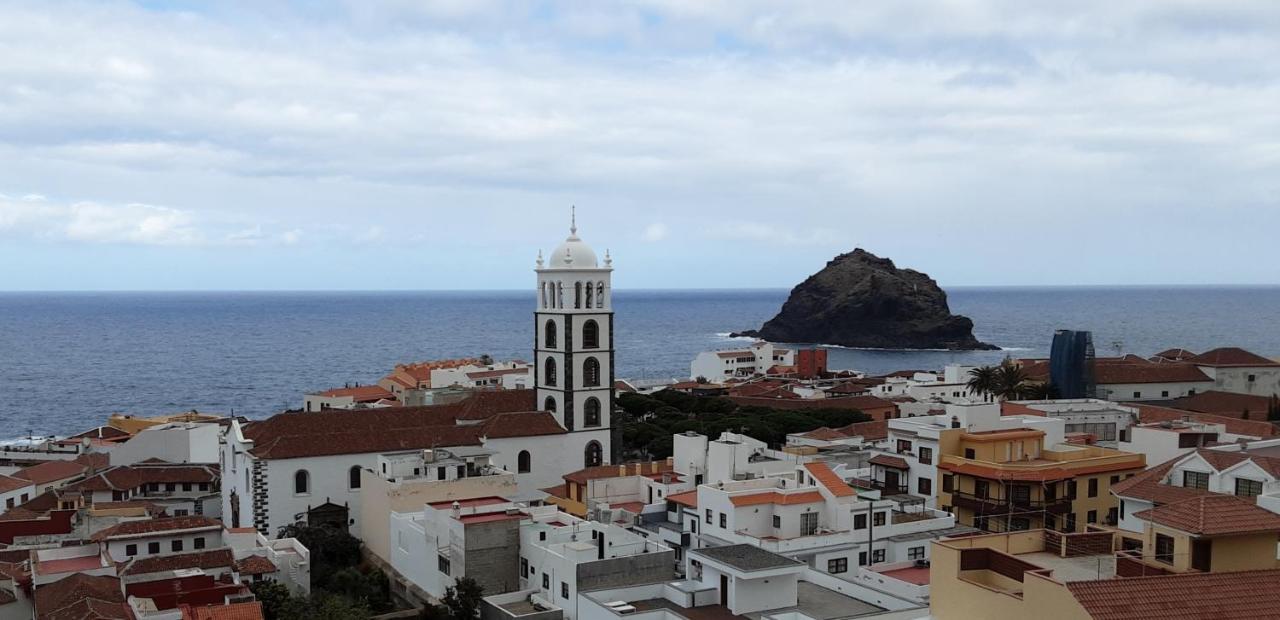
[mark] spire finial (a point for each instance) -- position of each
(573, 219)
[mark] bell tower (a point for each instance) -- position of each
(573, 345)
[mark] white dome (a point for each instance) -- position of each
(574, 253)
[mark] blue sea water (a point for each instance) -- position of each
(67, 360)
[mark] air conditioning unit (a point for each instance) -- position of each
(605, 515)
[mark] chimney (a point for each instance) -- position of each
(1243, 443)
(457, 509)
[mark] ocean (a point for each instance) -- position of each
(67, 360)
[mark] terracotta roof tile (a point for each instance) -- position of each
(65, 593)
(231, 611)
(529, 424)
(829, 480)
(1214, 515)
(255, 565)
(1175, 355)
(359, 393)
(153, 526)
(1231, 356)
(616, 471)
(825, 434)
(688, 498)
(126, 477)
(1235, 426)
(217, 558)
(1222, 596)
(52, 471)
(1225, 404)
(772, 497)
(10, 483)
(1149, 486)
(1132, 372)
(869, 431)
(887, 460)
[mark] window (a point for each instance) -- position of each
(1248, 488)
(904, 446)
(1164, 548)
(1093, 487)
(600, 294)
(924, 486)
(926, 455)
(724, 520)
(1137, 394)
(353, 477)
(524, 567)
(301, 482)
(970, 454)
(1069, 525)
(524, 462)
(809, 524)
(577, 294)
(1253, 378)
(546, 581)
(981, 488)
(1164, 393)
(1195, 479)
(877, 519)
(186, 487)
(591, 372)
(1071, 489)
(176, 545)
(198, 543)
(153, 548)
(862, 558)
(877, 555)
(1091, 516)
(564, 590)
(777, 521)
(440, 473)
(591, 412)
(591, 335)
(594, 454)
(838, 565)
(204, 486)
(860, 522)
(549, 371)
(131, 550)
(442, 563)
(948, 483)
(171, 487)
(181, 512)
(915, 553)
(549, 335)
(709, 513)
(1019, 524)
(1115, 479)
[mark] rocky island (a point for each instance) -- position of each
(862, 300)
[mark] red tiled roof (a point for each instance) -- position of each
(687, 498)
(359, 393)
(102, 432)
(1175, 355)
(155, 526)
(1149, 486)
(255, 565)
(1128, 372)
(52, 471)
(886, 460)
(1214, 515)
(829, 480)
(1225, 404)
(614, 471)
(869, 431)
(126, 477)
(1241, 595)
(54, 600)
(231, 611)
(772, 497)
(825, 434)
(1235, 426)
(217, 558)
(1231, 356)
(10, 483)
(94, 460)
(530, 424)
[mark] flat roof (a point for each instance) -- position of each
(746, 557)
(958, 530)
(469, 503)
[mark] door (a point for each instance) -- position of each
(891, 480)
(724, 590)
(1201, 555)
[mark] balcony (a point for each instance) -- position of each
(993, 505)
(879, 485)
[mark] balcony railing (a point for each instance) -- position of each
(879, 485)
(997, 505)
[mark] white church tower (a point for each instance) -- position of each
(573, 350)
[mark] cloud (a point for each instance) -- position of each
(654, 232)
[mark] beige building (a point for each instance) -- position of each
(1008, 480)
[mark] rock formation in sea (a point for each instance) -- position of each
(862, 300)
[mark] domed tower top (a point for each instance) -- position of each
(573, 252)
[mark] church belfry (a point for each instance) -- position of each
(573, 344)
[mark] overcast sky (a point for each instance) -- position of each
(709, 143)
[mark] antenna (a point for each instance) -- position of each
(573, 219)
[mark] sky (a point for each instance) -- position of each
(439, 144)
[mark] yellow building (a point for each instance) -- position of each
(1046, 575)
(1008, 480)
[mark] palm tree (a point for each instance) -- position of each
(982, 380)
(1011, 381)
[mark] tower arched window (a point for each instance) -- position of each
(599, 294)
(301, 482)
(549, 371)
(353, 477)
(591, 372)
(543, 289)
(593, 455)
(524, 462)
(577, 294)
(559, 294)
(549, 404)
(549, 334)
(591, 335)
(591, 412)
(590, 297)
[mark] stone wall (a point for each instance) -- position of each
(626, 571)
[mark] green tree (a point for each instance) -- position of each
(1011, 381)
(982, 380)
(463, 599)
(275, 598)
